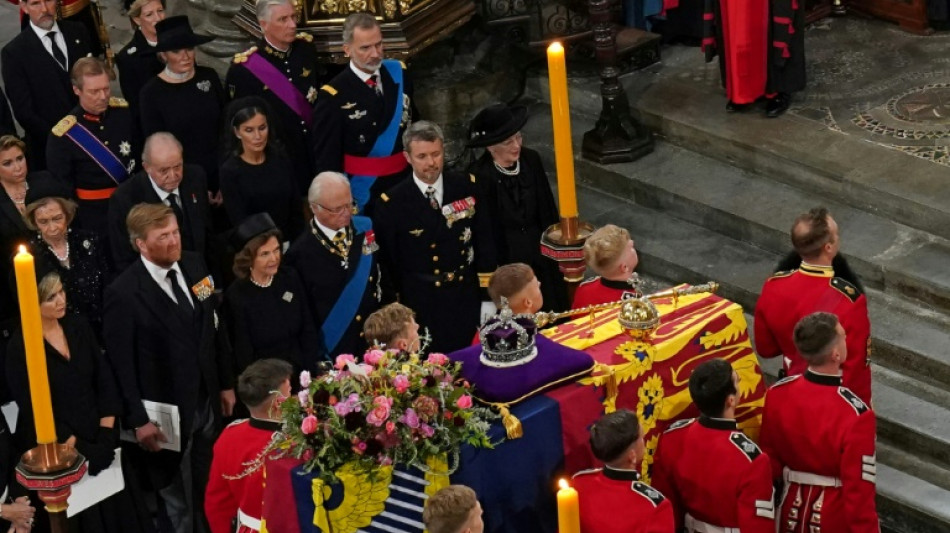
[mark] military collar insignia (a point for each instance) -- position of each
(816, 270)
(271, 51)
(458, 210)
(92, 118)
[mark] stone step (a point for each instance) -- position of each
(907, 504)
(914, 416)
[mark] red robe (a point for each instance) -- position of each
(603, 492)
(239, 443)
(812, 424)
(738, 32)
(600, 291)
(713, 472)
(789, 296)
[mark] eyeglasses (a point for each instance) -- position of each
(338, 210)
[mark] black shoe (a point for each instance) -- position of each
(733, 107)
(778, 105)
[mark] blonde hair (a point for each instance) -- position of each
(68, 206)
(384, 326)
(449, 509)
(604, 247)
(135, 10)
(509, 280)
(144, 217)
(47, 285)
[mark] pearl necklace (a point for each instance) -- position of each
(62, 259)
(270, 279)
(176, 76)
(513, 172)
(20, 199)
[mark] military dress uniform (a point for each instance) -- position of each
(716, 478)
(325, 268)
(599, 290)
(820, 437)
(433, 257)
(92, 186)
(303, 69)
(351, 116)
(240, 494)
(601, 492)
(789, 296)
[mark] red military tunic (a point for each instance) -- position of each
(787, 297)
(824, 435)
(239, 443)
(713, 473)
(600, 291)
(616, 501)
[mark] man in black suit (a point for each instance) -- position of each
(164, 180)
(336, 261)
(161, 334)
(35, 67)
(7, 127)
(355, 110)
(435, 245)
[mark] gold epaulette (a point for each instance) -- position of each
(850, 290)
(385, 197)
(64, 125)
(472, 177)
(304, 36)
(329, 89)
(483, 278)
(403, 63)
(241, 57)
(115, 101)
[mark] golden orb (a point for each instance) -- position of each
(639, 318)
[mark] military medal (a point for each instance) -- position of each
(458, 210)
(369, 242)
(204, 288)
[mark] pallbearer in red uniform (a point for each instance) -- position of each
(609, 253)
(613, 499)
(235, 487)
(814, 286)
(717, 479)
(820, 437)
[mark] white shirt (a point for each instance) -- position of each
(60, 40)
(163, 194)
(330, 233)
(160, 275)
(423, 186)
(363, 76)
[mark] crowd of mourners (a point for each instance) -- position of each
(199, 243)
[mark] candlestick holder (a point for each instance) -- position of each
(564, 243)
(51, 470)
(617, 137)
(839, 8)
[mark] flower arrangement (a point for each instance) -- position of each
(393, 408)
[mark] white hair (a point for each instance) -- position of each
(323, 179)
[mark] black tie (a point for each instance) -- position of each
(182, 299)
(57, 52)
(433, 201)
(175, 204)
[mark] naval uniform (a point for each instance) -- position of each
(302, 68)
(820, 437)
(92, 186)
(789, 296)
(434, 257)
(602, 492)
(717, 478)
(326, 268)
(351, 116)
(599, 290)
(239, 495)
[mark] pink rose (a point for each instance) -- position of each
(410, 418)
(464, 401)
(390, 426)
(380, 412)
(305, 379)
(426, 430)
(342, 359)
(401, 383)
(437, 359)
(373, 357)
(309, 425)
(303, 397)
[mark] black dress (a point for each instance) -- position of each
(520, 208)
(272, 321)
(191, 111)
(85, 279)
(13, 232)
(83, 390)
(136, 67)
(266, 188)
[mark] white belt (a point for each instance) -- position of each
(698, 526)
(249, 521)
(807, 478)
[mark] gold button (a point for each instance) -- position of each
(101, 128)
(106, 143)
(435, 258)
(438, 283)
(432, 246)
(436, 271)
(461, 278)
(358, 318)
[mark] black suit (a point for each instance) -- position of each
(195, 229)
(7, 127)
(13, 232)
(37, 86)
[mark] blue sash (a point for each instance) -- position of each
(360, 185)
(340, 317)
(98, 152)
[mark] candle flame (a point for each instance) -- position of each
(556, 46)
(563, 484)
(22, 249)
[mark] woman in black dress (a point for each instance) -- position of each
(136, 61)
(266, 307)
(85, 403)
(513, 190)
(185, 99)
(257, 176)
(14, 183)
(76, 255)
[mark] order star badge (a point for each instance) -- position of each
(312, 95)
(125, 148)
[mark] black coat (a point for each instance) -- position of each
(13, 232)
(7, 127)
(38, 88)
(195, 230)
(136, 68)
(435, 267)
